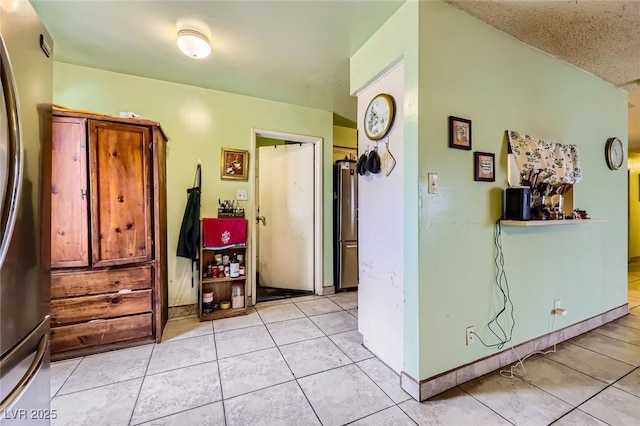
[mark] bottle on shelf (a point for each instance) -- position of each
(237, 295)
(234, 267)
(241, 261)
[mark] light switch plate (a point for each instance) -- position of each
(433, 183)
(241, 195)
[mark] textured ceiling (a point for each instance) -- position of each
(601, 37)
(290, 51)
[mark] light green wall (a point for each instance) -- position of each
(262, 141)
(634, 205)
(345, 137)
(199, 122)
(397, 40)
(469, 69)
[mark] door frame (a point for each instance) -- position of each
(318, 223)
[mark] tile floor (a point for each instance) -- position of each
(301, 362)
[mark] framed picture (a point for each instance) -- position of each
(484, 167)
(234, 164)
(459, 133)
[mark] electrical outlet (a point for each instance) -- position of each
(557, 304)
(241, 195)
(471, 337)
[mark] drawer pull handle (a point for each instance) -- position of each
(96, 320)
(124, 290)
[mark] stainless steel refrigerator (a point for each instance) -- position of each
(26, 71)
(345, 224)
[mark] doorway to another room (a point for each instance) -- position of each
(286, 232)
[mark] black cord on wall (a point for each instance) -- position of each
(506, 310)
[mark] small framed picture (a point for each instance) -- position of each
(484, 167)
(459, 133)
(234, 164)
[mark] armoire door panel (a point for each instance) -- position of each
(69, 195)
(120, 193)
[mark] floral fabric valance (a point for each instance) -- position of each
(556, 163)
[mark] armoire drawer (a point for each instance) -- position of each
(80, 309)
(82, 283)
(100, 332)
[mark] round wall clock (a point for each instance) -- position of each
(379, 116)
(614, 153)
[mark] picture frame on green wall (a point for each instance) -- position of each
(459, 133)
(234, 164)
(484, 167)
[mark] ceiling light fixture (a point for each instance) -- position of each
(193, 43)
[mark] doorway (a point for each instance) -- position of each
(286, 231)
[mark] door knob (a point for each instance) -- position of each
(261, 219)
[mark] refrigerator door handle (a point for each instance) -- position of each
(36, 365)
(14, 162)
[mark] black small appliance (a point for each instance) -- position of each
(517, 203)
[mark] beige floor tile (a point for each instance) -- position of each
(313, 356)
(343, 395)
(253, 371)
(390, 417)
(273, 303)
(296, 330)
(620, 332)
(578, 418)
(385, 378)
(562, 382)
(631, 320)
(630, 383)
(346, 300)
(107, 368)
(60, 372)
(183, 328)
(283, 404)
(614, 406)
(516, 400)
(110, 404)
(243, 340)
(335, 322)
(243, 321)
(175, 391)
(210, 414)
(281, 312)
(182, 353)
(453, 407)
(317, 306)
(605, 345)
(305, 298)
(594, 364)
(353, 312)
(350, 342)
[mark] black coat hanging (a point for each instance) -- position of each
(189, 238)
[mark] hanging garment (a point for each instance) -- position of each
(189, 238)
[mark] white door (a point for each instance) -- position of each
(286, 202)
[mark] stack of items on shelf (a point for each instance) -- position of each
(223, 291)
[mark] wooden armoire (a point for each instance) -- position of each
(108, 233)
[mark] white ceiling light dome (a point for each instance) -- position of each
(193, 43)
